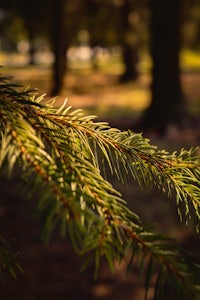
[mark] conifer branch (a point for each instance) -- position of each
(67, 152)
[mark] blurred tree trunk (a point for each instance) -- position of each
(129, 44)
(31, 36)
(59, 45)
(167, 103)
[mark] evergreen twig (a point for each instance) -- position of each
(66, 152)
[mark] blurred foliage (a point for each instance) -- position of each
(102, 20)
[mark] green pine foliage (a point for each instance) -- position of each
(63, 156)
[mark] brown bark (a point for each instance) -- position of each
(59, 47)
(167, 103)
(129, 44)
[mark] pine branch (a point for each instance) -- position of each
(66, 152)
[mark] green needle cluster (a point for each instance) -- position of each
(63, 156)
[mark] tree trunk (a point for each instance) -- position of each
(129, 44)
(59, 46)
(167, 104)
(32, 50)
(130, 60)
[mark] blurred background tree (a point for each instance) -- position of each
(165, 33)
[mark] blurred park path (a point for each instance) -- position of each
(100, 89)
